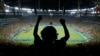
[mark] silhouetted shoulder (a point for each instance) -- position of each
(60, 43)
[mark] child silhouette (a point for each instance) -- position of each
(49, 43)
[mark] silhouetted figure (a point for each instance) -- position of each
(49, 43)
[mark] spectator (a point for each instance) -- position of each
(49, 43)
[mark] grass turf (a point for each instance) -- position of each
(26, 37)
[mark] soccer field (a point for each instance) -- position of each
(26, 37)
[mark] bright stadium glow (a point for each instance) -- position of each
(49, 10)
(26, 9)
(72, 12)
(41, 10)
(94, 12)
(33, 10)
(45, 10)
(38, 10)
(67, 10)
(60, 10)
(83, 9)
(7, 10)
(54, 10)
(51, 14)
(6, 5)
(92, 8)
(29, 11)
(16, 8)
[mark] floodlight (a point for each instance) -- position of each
(29, 11)
(7, 10)
(16, 8)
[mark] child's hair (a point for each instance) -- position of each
(49, 33)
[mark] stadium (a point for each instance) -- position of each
(18, 19)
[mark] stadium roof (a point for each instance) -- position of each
(51, 4)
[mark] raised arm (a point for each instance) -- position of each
(35, 32)
(66, 37)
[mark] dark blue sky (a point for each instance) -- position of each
(51, 4)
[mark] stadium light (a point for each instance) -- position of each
(60, 10)
(26, 9)
(37, 10)
(33, 10)
(51, 14)
(45, 10)
(67, 10)
(83, 9)
(72, 12)
(7, 10)
(16, 8)
(49, 10)
(54, 10)
(94, 12)
(29, 12)
(6, 6)
(41, 10)
(93, 8)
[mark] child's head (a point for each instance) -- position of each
(49, 33)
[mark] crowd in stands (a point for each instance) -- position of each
(79, 50)
(92, 29)
(12, 28)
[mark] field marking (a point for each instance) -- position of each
(79, 34)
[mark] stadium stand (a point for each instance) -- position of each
(14, 26)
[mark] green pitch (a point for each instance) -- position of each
(26, 37)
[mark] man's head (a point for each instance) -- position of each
(49, 33)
